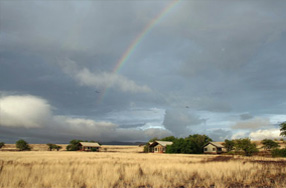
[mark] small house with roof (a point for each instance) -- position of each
(89, 146)
(214, 148)
(159, 146)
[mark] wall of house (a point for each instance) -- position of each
(210, 149)
(159, 149)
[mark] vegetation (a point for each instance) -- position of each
(22, 145)
(192, 144)
(229, 145)
(80, 169)
(283, 129)
(278, 152)
(269, 144)
(2, 144)
(54, 146)
(246, 146)
(74, 145)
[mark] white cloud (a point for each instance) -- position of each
(106, 79)
(239, 135)
(102, 80)
(24, 111)
(27, 111)
(262, 134)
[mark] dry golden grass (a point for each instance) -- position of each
(114, 169)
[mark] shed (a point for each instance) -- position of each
(89, 146)
(159, 146)
(214, 148)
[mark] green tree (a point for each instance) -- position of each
(283, 128)
(269, 144)
(51, 146)
(2, 144)
(57, 147)
(196, 142)
(191, 144)
(278, 152)
(168, 138)
(229, 144)
(74, 145)
(22, 145)
(246, 146)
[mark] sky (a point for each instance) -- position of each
(134, 70)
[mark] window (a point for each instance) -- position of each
(206, 149)
(213, 149)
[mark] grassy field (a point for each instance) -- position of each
(123, 166)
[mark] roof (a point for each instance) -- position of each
(90, 144)
(164, 143)
(216, 144)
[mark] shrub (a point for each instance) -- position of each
(228, 144)
(246, 146)
(74, 145)
(269, 144)
(2, 144)
(278, 152)
(22, 145)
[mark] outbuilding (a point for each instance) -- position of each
(214, 148)
(159, 146)
(89, 146)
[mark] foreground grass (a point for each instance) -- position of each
(81, 169)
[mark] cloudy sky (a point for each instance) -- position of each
(206, 67)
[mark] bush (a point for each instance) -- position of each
(94, 149)
(54, 146)
(278, 152)
(269, 144)
(22, 145)
(2, 144)
(74, 145)
(246, 146)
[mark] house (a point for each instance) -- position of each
(159, 146)
(214, 148)
(89, 146)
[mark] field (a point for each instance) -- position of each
(123, 166)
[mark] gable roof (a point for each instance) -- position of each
(162, 143)
(90, 144)
(216, 144)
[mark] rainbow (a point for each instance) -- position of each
(128, 52)
(141, 35)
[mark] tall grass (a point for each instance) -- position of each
(81, 169)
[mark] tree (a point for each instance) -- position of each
(54, 146)
(168, 138)
(74, 145)
(191, 144)
(2, 144)
(283, 129)
(229, 144)
(269, 144)
(57, 147)
(22, 145)
(246, 146)
(51, 146)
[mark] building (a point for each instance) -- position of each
(214, 148)
(89, 146)
(159, 146)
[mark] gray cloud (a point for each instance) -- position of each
(245, 116)
(179, 121)
(224, 57)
